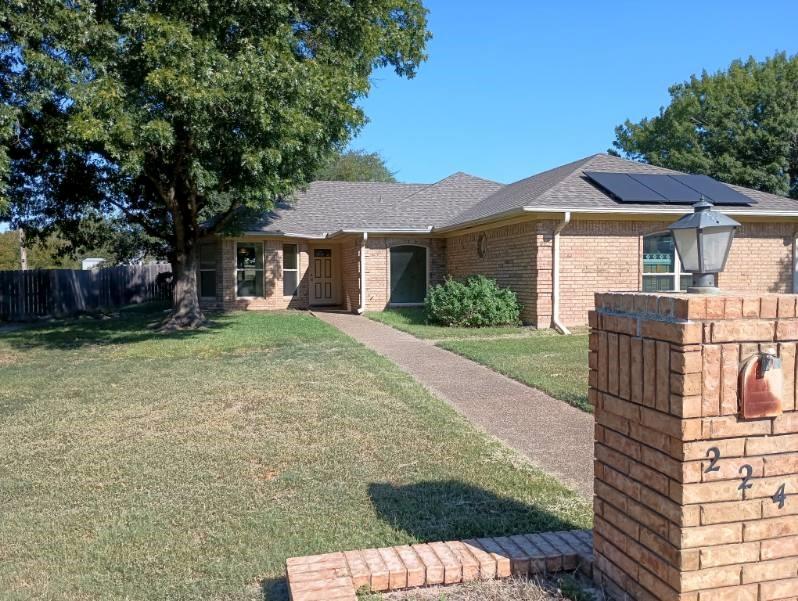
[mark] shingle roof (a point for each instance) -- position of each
(567, 188)
(437, 204)
(327, 207)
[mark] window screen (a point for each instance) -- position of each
(408, 274)
(290, 269)
(207, 270)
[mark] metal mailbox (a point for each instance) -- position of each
(761, 386)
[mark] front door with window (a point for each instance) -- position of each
(323, 288)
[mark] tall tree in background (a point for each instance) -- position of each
(739, 126)
(173, 114)
(356, 166)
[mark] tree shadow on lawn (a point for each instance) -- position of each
(275, 589)
(131, 324)
(452, 510)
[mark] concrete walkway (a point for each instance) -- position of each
(556, 437)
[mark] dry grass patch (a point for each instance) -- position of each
(187, 466)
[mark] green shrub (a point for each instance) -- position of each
(474, 303)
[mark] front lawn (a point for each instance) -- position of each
(413, 321)
(190, 466)
(555, 364)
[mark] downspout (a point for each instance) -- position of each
(362, 306)
(555, 275)
(795, 262)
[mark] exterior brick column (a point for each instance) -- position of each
(687, 503)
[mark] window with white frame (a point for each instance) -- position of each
(290, 269)
(662, 267)
(207, 270)
(249, 269)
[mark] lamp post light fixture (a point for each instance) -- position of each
(703, 239)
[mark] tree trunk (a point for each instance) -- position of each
(186, 312)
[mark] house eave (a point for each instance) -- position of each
(681, 210)
(381, 232)
(286, 235)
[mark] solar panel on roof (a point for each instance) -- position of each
(714, 190)
(623, 187)
(667, 189)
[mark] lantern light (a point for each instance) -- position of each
(703, 239)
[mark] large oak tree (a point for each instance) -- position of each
(739, 126)
(175, 114)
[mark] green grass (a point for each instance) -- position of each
(190, 466)
(544, 359)
(412, 321)
(552, 363)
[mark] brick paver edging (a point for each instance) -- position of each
(337, 576)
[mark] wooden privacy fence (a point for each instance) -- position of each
(61, 292)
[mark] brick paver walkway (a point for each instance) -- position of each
(556, 437)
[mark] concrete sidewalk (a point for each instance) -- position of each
(556, 437)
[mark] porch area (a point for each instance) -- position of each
(353, 271)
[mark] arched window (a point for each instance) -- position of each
(408, 274)
(662, 268)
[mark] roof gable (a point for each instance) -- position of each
(437, 204)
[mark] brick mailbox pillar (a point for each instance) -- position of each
(693, 502)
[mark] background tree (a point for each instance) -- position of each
(174, 114)
(116, 242)
(739, 126)
(356, 166)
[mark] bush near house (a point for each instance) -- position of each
(474, 302)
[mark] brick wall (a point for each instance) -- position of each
(597, 256)
(517, 256)
(600, 256)
(378, 266)
(760, 258)
(684, 489)
(350, 274)
(272, 273)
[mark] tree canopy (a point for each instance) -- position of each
(356, 166)
(739, 126)
(173, 114)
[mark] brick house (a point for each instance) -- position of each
(555, 238)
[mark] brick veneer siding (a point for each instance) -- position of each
(599, 256)
(272, 272)
(378, 266)
(350, 274)
(760, 258)
(664, 383)
(517, 256)
(596, 256)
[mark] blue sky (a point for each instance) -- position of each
(515, 87)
